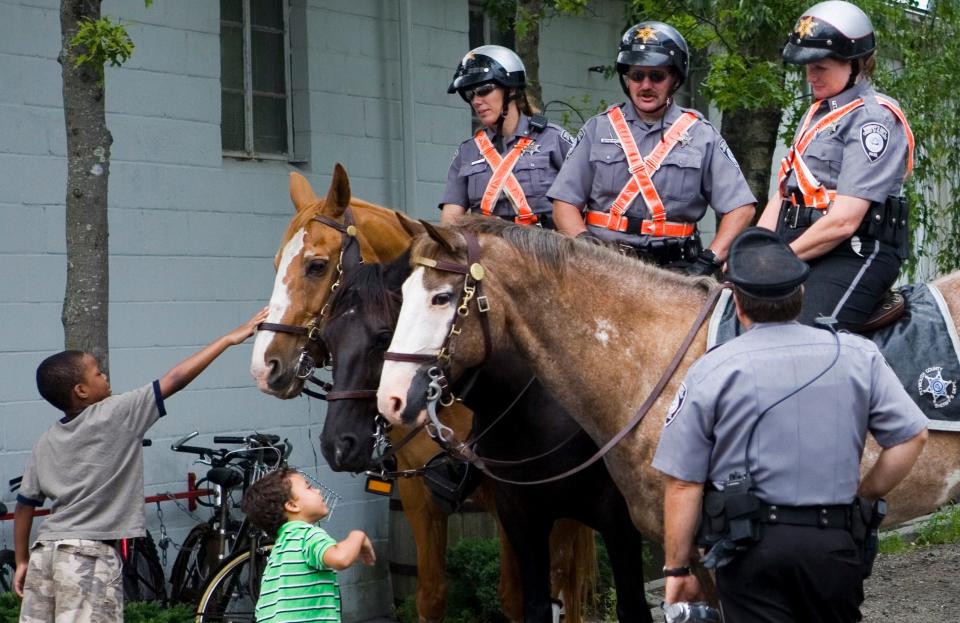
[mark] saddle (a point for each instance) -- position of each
(891, 307)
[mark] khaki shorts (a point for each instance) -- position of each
(73, 580)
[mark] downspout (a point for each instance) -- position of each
(408, 121)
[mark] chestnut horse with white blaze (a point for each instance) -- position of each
(308, 266)
(598, 330)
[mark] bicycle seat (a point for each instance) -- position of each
(225, 477)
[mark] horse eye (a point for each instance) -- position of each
(383, 338)
(316, 268)
(441, 299)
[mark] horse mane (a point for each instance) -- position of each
(368, 286)
(554, 253)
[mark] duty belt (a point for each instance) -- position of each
(836, 516)
(640, 227)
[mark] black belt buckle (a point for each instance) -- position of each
(796, 216)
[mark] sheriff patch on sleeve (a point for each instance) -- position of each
(874, 138)
(676, 405)
(725, 150)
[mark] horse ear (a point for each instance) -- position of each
(338, 197)
(441, 235)
(412, 227)
(301, 193)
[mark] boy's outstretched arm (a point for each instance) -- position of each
(347, 551)
(181, 374)
(22, 523)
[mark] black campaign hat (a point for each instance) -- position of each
(762, 265)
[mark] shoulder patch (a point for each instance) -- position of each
(725, 150)
(565, 136)
(676, 405)
(874, 138)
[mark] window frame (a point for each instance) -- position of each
(249, 152)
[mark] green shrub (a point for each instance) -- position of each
(473, 571)
(942, 527)
(893, 544)
(407, 611)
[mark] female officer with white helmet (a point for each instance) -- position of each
(839, 203)
(506, 168)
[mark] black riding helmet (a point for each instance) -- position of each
(489, 63)
(653, 44)
(833, 29)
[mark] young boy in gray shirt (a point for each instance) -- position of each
(90, 465)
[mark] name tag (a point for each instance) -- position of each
(480, 161)
(612, 141)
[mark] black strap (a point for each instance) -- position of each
(833, 516)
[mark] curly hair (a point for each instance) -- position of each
(263, 503)
(57, 375)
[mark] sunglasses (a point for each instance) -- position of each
(481, 91)
(656, 76)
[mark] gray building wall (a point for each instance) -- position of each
(193, 233)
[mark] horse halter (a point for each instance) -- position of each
(473, 274)
(305, 364)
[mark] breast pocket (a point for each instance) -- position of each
(679, 175)
(535, 174)
(610, 170)
(477, 177)
(824, 159)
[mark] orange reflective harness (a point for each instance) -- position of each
(503, 180)
(815, 195)
(640, 183)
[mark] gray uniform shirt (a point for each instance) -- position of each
(806, 449)
(697, 172)
(863, 155)
(535, 170)
(91, 468)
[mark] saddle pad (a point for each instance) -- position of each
(922, 347)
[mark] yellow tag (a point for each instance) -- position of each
(476, 271)
(378, 486)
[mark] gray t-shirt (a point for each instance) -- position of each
(91, 468)
(806, 449)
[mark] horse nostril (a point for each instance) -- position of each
(345, 445)
(396, 406)
(274, 370)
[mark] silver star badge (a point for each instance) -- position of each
(941, 390)
(685, 139)
(531, 149)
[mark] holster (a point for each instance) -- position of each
(865, 529)
(671, 251)
(888, 222)
(731, 514)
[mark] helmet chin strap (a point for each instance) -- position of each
(504, 111)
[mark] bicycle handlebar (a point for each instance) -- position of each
(228, 439)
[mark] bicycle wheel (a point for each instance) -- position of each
(195, 561)
(143, 577)
(8, 567)
(232, 592)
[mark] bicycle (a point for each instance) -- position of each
(233, 551)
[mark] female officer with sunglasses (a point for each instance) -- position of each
(839, 203)
(642, 174)
(506, 168)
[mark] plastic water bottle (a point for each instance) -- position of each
(687, 612)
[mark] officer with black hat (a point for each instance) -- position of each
(840, 200)
(762, 448)
(643, 173)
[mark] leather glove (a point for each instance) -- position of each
(705, 264)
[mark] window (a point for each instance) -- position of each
(255, 78)
(490, 29)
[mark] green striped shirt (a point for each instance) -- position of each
(296, 585)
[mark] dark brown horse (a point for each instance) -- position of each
(306, 265)
(516, 420)
(598, 330)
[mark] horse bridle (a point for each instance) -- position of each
(439, 384)
(305, 364)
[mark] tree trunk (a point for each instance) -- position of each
(86, 299)
(529, 12)
(752, 136)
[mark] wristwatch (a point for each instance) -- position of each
(675, 572)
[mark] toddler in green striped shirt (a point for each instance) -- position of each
(300, 580)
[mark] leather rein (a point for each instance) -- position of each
(439, 387)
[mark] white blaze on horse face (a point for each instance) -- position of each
(279, 302)
(421, 329)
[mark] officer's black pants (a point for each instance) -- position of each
(794, 575)
(849, 282)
